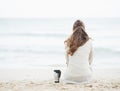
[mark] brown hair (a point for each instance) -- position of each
(78, 38)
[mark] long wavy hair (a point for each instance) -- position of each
(78, 38)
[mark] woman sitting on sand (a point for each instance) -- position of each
(79, 55)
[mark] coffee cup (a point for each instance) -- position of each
(57, 75)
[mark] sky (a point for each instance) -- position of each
(59, 8)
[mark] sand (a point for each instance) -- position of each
(41, 79)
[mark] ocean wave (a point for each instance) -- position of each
(107, 51)
(35, 34)
(32, 51)
(97, 50)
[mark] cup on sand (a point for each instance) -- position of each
(57, 74)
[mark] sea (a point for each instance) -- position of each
(37, 42)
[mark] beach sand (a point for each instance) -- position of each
(41, 79)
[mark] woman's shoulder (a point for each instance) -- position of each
(90, 40)
(88, 43)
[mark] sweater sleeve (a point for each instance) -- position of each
(66, 55)
(91, 55)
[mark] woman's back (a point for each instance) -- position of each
(79, 69)
(81, 55)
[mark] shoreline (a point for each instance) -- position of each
(41, 73)
(41, 79)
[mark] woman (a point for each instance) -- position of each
(79, 55)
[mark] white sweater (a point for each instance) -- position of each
(79, 64)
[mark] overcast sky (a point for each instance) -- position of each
(59, 8)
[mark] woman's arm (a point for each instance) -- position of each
(67, 59)
(91, 56)
(66, 54)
